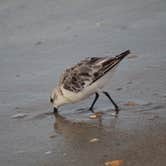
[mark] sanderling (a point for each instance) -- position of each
(86, 78)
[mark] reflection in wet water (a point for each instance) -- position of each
(65, 136)
(118, 138)
(71, 127)
(78, 122)
(73, 144)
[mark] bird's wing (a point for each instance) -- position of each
(88, 71)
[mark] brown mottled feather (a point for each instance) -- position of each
(88, 71)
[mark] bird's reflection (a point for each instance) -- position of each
(62, 122)
(77, 134)
(74, 132)
(79, 129)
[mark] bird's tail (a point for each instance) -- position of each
(123, 55)
(110, 63)
(107, 64)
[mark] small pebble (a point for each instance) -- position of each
(114, 163)
(131, 103)
(48, 152)
(96, 115)
(93, 116)
(113, 114)
(94, 140)
(52, 136)
(38, 43)
(119, 89)
(17, 75)
(19, 115)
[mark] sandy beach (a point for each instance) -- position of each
(39, 39)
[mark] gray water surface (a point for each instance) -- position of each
(38, 39)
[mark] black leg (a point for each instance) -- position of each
(115, 105)
(94, 101)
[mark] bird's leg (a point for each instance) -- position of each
(112, 101)
(94, 101)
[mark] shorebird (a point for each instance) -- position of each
(88, 77)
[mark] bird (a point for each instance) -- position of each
(86, 78)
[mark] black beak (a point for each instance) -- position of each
(55, 110)
(51, 100)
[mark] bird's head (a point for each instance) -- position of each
(57, 99)
(54, 99)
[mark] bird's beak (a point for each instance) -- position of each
(51, 100)
(55, 110)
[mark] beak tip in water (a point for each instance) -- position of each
(55, 110)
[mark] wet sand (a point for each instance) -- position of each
(39, 39)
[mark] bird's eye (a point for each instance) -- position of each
(51, 100)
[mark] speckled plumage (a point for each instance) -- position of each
(86, 78)
(86, 72)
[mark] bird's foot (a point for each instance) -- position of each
(116, 112)
(91, 109)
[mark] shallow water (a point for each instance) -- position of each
(39, 39)
(64, 138)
